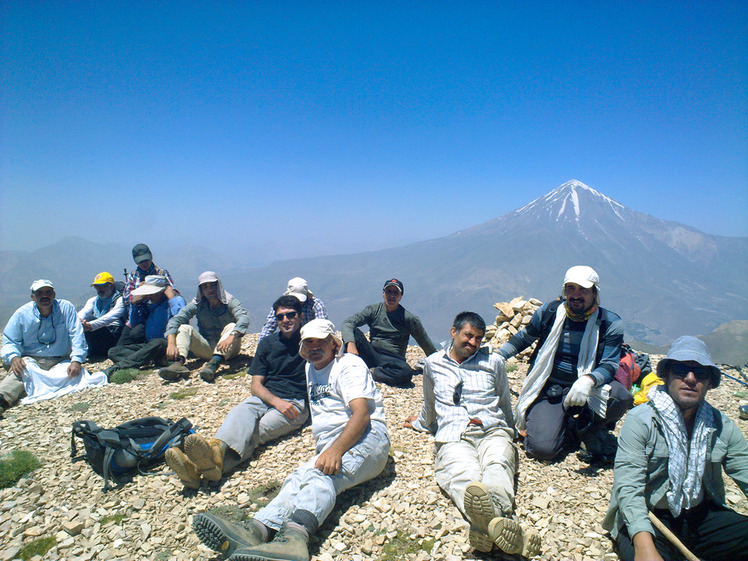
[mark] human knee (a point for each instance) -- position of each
(542, 448)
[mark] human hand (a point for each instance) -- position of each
(74, 370)
(351, 348)
(86, 325)
(408, 424)
(224, 345)
(172, 352)
(17, 366)
(329, 462)
(288, 409)
(169, 292)
(579, 392)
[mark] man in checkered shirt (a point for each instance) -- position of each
(467, 406)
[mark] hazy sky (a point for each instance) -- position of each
(299, 128)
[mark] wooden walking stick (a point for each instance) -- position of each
(672, 537)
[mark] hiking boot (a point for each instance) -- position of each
(111, 370)
(208, 372)
(207, 456)
(290, 544)
(185, 469)
(161, 361)
(174, 371)
(599, 447)
(480, 511)
(225, 536)
(509, 537)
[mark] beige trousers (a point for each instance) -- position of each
(189, 339)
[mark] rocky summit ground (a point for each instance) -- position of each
(399, 515)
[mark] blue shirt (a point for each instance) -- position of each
(58, 335)
(156, 316)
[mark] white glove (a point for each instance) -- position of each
(579, 392)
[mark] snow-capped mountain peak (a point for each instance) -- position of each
(566, 202)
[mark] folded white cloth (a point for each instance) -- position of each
(43, 384)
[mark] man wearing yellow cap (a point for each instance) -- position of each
(102, 316)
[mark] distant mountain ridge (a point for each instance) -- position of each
(664, 278)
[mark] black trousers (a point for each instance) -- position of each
(710, 531)
(133, 351)
(386, 368)
(547, 422)
(101, 340)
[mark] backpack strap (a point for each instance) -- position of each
(180, 428)
(79, 428)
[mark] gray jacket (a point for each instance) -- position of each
(210, 322)
(640, 476)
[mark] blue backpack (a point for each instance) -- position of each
(129, 447)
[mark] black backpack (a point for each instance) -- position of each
(128, 447)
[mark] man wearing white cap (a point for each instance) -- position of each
(102, 316)
(222, 321)
(312, 307)
(142, 340)
(671, 453)
(352, 445)
(44, 333)
(569, 391)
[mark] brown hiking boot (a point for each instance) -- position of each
(225, 536)
(208, 372)
(207, 456)
(290, 544)
(480, 511)
(185, 469)
(174, 371)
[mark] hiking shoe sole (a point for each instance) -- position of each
(202, 453)
(480, 511)
(183, 467)
(249, 554)
(223, 536)
(174, 373)
(506, 535)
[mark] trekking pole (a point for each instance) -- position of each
(672, 537)
(741, 372)
(739, 381)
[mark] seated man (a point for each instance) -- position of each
(467, 405)
(221, 324)
(349, 427)
(276, 407)
(143, 258)
(142, 340)
(671, 452)
(102, 316)
(313, 307)
(44, 333)
(570, 383)
(390, 328)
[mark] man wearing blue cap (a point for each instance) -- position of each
(671, 452)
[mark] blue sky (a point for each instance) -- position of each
(283, 129)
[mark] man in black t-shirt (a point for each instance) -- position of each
(277, 405)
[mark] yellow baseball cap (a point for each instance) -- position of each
(103, 278)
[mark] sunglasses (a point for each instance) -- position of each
(682, 370)
(289, 315)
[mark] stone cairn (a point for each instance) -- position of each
(512, 317)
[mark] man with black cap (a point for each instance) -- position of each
(671, 452)
(390, 328)
(143, 339)
(570, 391)
(103, 316)
(44, 333)
(222, 321)
(143, 258)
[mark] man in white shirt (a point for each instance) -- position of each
(352, 445)
(467, 406)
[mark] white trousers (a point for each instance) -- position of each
(189, 339)
(487, 456)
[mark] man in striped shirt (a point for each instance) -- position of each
(467, 406)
